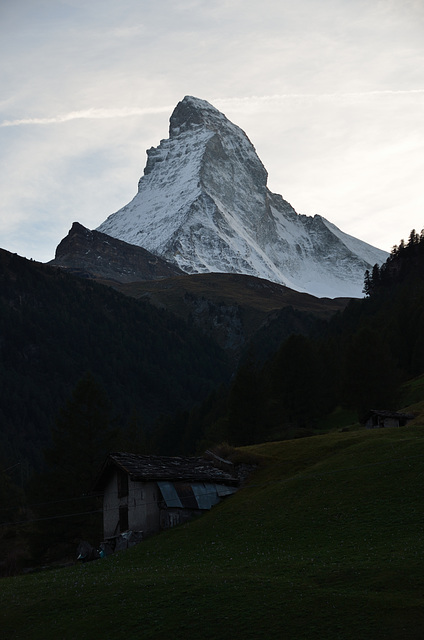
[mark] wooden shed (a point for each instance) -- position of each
(146, 493)
(377, 419)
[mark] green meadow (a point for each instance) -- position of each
(325, 541)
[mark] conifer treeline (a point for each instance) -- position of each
(405, 263)
(55, 327)
(356, 362)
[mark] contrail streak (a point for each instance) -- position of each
(317, 96)
(96, 114)
(125, 112)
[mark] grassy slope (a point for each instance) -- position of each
(325, 542)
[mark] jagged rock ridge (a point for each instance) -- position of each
(203, 204)
(94, 254)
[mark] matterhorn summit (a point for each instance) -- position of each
(203, 204)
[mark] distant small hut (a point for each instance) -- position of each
(378, 419)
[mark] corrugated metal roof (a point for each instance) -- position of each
(196, 495)
(206, 495)
(223, 490)
(169, 494)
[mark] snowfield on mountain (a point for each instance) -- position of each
(203, 204)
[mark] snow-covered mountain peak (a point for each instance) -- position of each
(191, 113)
(203, 204)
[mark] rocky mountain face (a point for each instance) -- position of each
(233, 308)
(229, 308)
(96, 255)
(203, 205)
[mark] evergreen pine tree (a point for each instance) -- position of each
(371, 377)
(245, 406)
(81, 439)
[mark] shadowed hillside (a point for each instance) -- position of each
(324, 542)
(354, 363)
(235, 309)
(55, 327)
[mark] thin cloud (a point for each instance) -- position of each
(96, 114)
(317, 96)
(125, 112)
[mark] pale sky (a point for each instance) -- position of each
(330, 92)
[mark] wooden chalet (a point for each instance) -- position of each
(148, 493)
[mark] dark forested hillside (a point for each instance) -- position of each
(355, 362)
(236, 310)
(55, 327)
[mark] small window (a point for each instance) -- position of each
(122, 484)
(123, 519)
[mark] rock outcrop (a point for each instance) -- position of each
(94, 254)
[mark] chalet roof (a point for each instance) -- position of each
(385, 413)
(163, 468)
